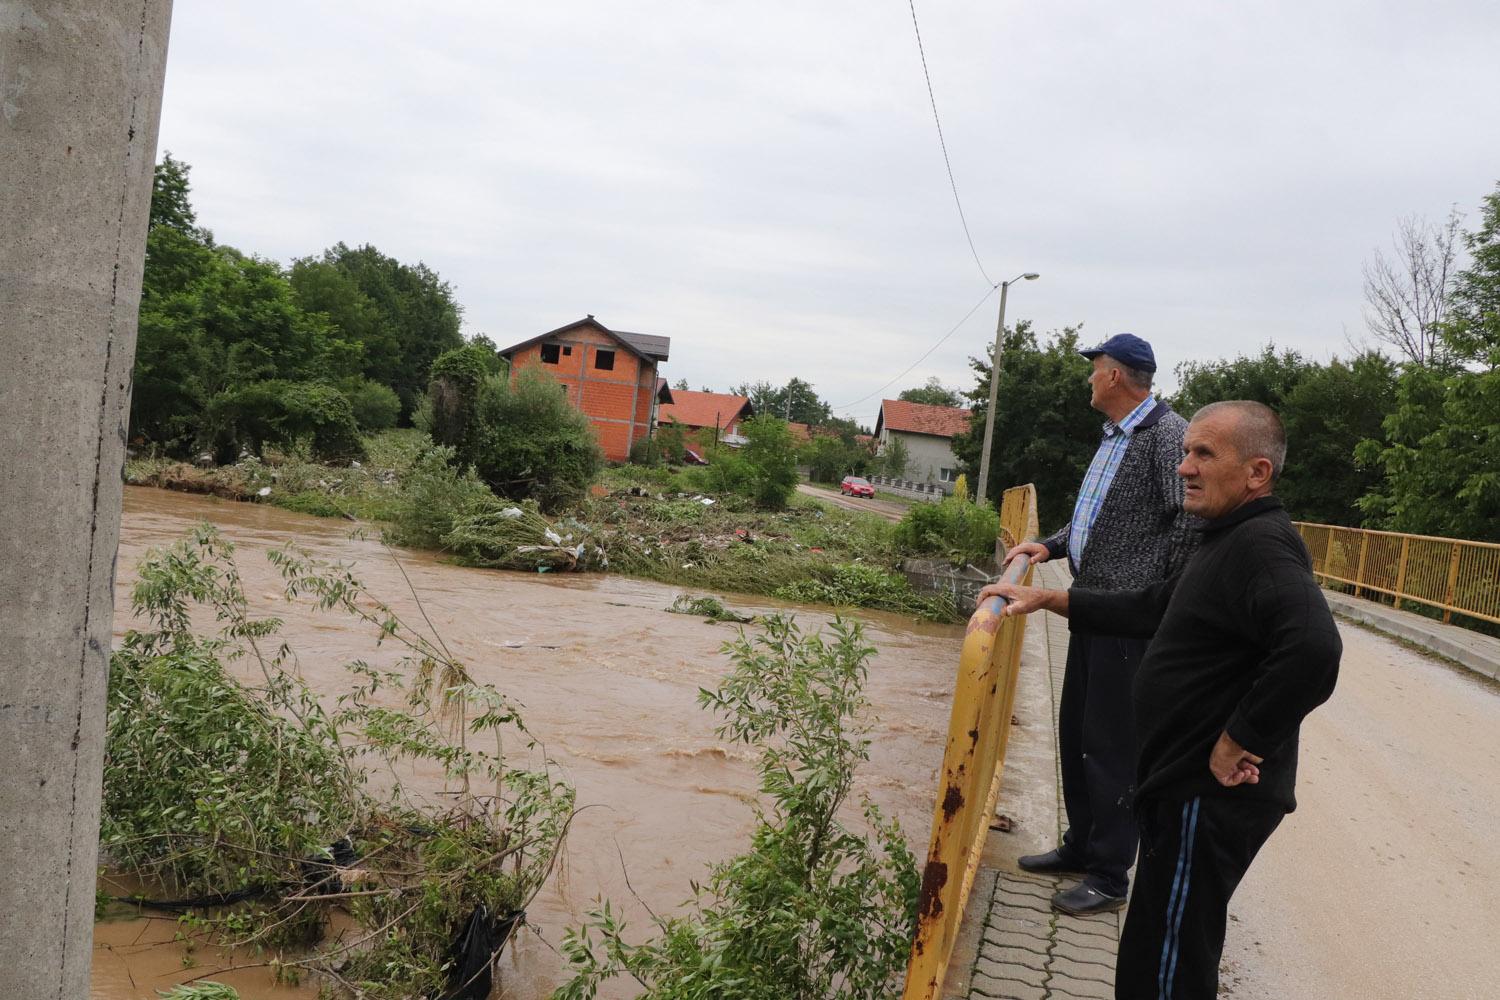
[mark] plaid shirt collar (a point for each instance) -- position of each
(1132, 419)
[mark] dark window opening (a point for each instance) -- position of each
(604, 360)
(567, 351)
(550, 354)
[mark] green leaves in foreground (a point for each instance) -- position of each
(812, 910)
(228, 780)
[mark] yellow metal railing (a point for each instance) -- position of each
(1449, 574)
(969, 783)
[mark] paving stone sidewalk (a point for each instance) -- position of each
(1027, 951)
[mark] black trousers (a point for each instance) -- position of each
(1096, 741)
(1193, 855)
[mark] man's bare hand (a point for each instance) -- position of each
(1232, 764)
(1024, 600)
(1035, 551)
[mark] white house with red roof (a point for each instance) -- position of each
(927, 432)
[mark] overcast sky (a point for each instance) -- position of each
(762, 182)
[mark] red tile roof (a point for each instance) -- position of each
(704, 409)
(802, 432)
(919, 418)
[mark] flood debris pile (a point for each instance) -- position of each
(814, 909)
(807, 552)
(247, 806)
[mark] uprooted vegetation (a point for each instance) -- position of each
(814, 909)
(236, 797)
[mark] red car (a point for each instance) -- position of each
(854, 486)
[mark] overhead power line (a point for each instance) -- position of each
(940, 342)
(944, 144)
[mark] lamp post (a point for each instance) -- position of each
(983, 491)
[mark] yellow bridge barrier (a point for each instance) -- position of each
(969, 783)
(1449, 574)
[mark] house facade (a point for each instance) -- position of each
(609, 375)
(927, 433)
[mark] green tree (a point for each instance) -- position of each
(681, 384)
(1327, 414)
(1267, 377)
(796, 401)
(403, 317)
(895, 459)
(934, 393)
(529, 442)
(1473, 328)
(170, 204)
(1045, 431)
(770, 454)
(453, 400)
(1440, 451)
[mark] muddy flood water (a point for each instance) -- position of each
(608, 681)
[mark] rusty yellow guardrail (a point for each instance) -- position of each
(1449, 574)
(973, 759)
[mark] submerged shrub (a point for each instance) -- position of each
(863, 586)
(248, 804)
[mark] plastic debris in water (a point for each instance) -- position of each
(264, 491)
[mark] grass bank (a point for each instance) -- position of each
(645, 522)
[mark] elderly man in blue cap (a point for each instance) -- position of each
(1127, 532)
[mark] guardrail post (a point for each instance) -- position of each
(1359, 574)
(1452, 586)
(1401, 571)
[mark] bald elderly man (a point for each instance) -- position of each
(1242, 647)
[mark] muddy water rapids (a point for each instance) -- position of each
(607, 679)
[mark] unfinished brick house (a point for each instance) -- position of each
(610, 375)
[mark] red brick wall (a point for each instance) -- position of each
(606, 395)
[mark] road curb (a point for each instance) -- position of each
(1471, 650)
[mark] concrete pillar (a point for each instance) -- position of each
(80, 101)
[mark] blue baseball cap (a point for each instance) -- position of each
(1126, 348)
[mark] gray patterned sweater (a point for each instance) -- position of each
(1142, 535)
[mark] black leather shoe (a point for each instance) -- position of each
(1083, 900)
(1052, 862)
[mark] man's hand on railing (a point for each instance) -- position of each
(1035, 551)
(1024, 600)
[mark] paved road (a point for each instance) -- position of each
(883, 508)
(1383, 885)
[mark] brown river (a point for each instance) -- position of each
(608, 681)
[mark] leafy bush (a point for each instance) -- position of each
(830, 459)
(529, 442)
(764, 471)
(277, 412)
(434, 494)
(255, 795)
(376, 407)
(453, 399)
(864, 586)
(954, 527)
(812, 910)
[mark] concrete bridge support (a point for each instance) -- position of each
(80, 101)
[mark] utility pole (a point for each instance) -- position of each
(982, 491)
(82, 81)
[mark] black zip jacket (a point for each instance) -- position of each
(1241, 640)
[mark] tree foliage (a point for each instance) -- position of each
(215, 321)
(796, 401)
(934, 393)
(1045, 431)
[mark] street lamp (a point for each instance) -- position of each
(989, 416)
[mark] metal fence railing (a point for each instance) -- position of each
(973, 758)
(1449, 574)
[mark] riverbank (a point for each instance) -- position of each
(642, 522)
